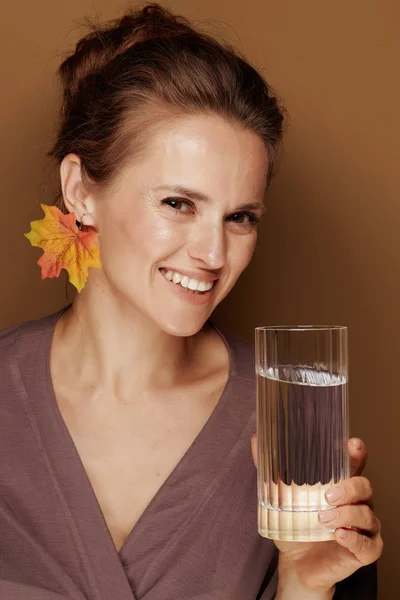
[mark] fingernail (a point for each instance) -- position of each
(343, 533)
(334, 494)
(326, 516)
(356, 443)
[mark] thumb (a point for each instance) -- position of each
(358, 456)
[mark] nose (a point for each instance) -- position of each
(208, 245)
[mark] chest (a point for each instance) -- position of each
(129, 451)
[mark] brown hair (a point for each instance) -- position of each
(148, 59)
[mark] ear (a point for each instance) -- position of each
(77, 198)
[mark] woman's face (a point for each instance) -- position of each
(179, 227)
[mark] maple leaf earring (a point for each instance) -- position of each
(66, 246)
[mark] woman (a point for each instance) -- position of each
(125, 460)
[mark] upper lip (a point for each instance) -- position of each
(192, 275)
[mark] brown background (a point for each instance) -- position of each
(329, 248)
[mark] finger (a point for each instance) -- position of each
(366, 549)
(350, 491)
(358, 455)
(358, 516)
(254, 448)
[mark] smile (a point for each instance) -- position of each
(189, 283)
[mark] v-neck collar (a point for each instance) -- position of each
(103, 564)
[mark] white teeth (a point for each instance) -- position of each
(176, 278)
(187, 282)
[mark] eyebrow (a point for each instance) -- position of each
(194, 195)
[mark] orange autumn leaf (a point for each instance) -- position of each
(64, 245)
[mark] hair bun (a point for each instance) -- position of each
(104, 43)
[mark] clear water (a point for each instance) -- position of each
(302, 436)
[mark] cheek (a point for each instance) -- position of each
(243, 253)
(138, 237)
(239, 255)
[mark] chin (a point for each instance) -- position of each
(183, 327)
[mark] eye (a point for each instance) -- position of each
(247, 219)
(179, 205)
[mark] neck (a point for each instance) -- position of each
(105, 343)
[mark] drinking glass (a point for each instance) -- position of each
(302, 427)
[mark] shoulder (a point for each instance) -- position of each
(23, 335)
(239, 396)
(241, 356)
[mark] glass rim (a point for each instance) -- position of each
(302, 328)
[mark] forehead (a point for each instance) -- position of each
(205, 152)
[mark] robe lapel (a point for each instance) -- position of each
(101, 573)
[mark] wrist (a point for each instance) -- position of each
(292, 586)
(289, 593)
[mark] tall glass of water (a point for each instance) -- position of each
(302, 427)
